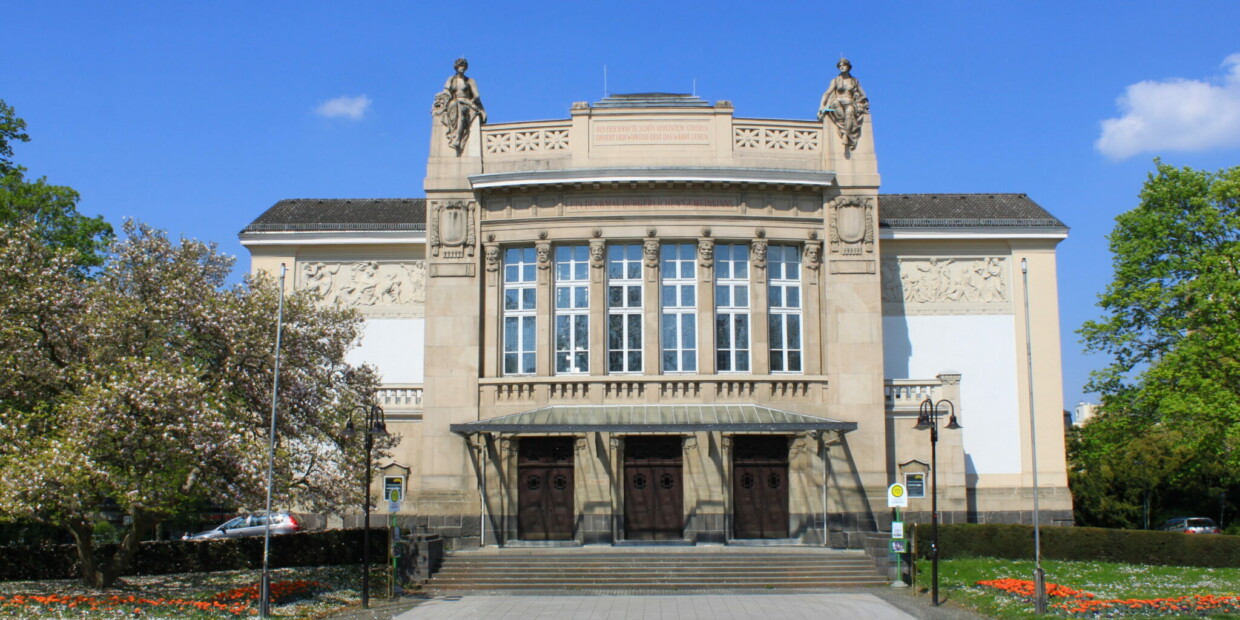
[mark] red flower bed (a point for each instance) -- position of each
(1079, 603)
(137, 604)
(281, 592)
(237, 602)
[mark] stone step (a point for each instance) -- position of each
(572, 569)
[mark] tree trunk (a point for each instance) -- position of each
(100, 573)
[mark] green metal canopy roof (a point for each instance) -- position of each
(652, 419)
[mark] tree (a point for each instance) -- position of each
(151, 385)
(53, 208)
(1171, 325)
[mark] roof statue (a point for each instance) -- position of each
(845, 104)
(457, 105)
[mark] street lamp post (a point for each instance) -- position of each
(928, 419)
(375, 427)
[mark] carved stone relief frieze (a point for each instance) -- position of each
(452, 233)
(852, 225)
(375, 288)
(946, 285)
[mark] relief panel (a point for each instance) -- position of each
(947, 285)
(375, 288)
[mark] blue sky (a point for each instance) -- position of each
(195, 117)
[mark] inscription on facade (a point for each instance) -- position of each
(946, 285)
(375, 288)
(651, 132)
(652, 202)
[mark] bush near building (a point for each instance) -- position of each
(1082, 543)
(163, 557)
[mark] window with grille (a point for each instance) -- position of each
(678, 292)
(624, 308)
(520, 311)
(784, 294)
(732, 308)
(572, 309)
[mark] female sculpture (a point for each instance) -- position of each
(845, 103)
(457, 105)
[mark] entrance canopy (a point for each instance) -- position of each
(744, 418)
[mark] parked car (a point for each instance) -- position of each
(249, 525)
(1191, 525)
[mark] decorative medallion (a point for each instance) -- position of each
(452, 229)
(852, 225)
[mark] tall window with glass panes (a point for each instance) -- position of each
(732, 307)
(784, 295)
(624, 308)
(520, 311)
(572, 309)
(678, 298)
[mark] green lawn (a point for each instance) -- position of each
(1106, 580)
(175, 596)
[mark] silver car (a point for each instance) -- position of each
(249, 525)
(1191, 525)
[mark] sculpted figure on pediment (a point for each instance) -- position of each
(457, 105)
(845, 103)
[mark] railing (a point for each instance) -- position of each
(395, 397)
(523, 138)
(776, 136)
(907, 394)
(650, 389)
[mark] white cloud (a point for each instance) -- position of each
(1177, 114)
(353, 108)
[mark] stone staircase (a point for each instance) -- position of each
(659, 569)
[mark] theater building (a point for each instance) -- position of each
(655, 320)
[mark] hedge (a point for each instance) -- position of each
(1015, 542)
(186, 556)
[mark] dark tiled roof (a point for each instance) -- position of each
(963, 211)
(328, 214)
(895, 211)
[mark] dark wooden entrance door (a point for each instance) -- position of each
(653, 489)
(760, 486)
(545, 488)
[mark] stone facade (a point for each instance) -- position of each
(657, 250)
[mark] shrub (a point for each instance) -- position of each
(183, 556)
(1083, 543)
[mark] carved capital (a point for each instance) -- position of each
(650, 252)
(598, 253)
(706, 253)
(813, 254)
(949, 377)
(759, 247)
(543, 250)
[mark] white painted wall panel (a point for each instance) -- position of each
(983, 349)
(395, 346)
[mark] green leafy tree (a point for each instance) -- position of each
(150, 385)
(1171, 325)
(52, 208)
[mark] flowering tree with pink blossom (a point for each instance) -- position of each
(150, 384)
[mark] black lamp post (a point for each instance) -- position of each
(375, 427)
(928, 419)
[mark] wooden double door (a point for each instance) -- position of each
(654, 495)
(545, 488)
(760, 486)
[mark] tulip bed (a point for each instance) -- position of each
(1002, 589)
(225, 594)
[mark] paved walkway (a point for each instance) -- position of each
(711, 606)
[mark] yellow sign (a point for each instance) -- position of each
(897, 496)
